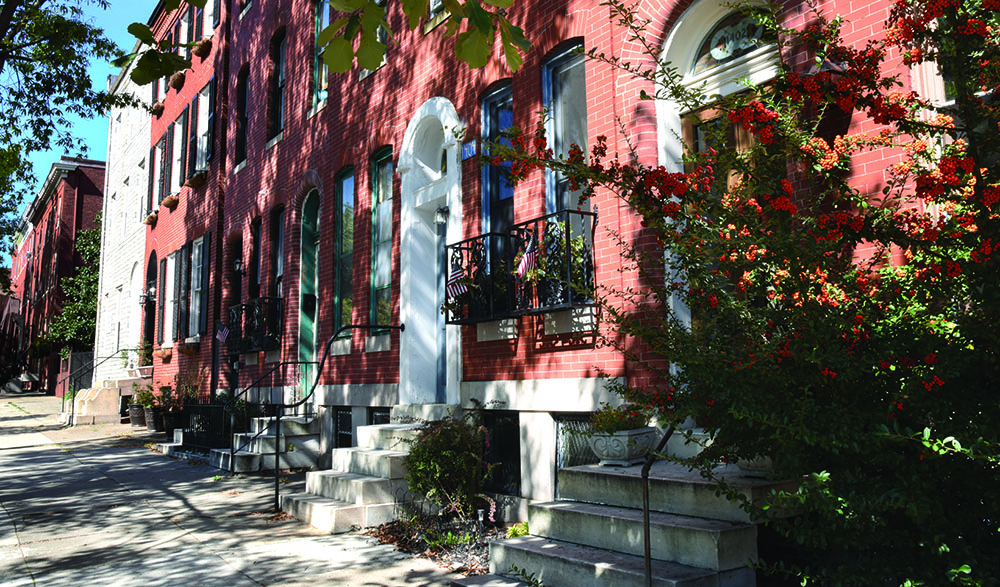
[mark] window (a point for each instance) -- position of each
(211, 16)
(242, 114)
(198, 303)
(564, 91)
(254, 267)
(276, 121)
(277, 251)
(161, 299)
(156, 177)
(498, 194)
(202, 125)
(321, 74)
(382, 36)
(344, 251)
(184, 31)
(381, 310)
(179, 152)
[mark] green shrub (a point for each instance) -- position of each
(446, 463)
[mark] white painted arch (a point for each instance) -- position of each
(431, 138)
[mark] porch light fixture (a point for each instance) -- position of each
(148, 296)
(238, 266)
(441, 215)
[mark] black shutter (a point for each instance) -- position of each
(184, 290)
(152, 179)
(210, 142)
(190, 31)
(168, 163)
(161, 182)
(199, 23)
(161, 298)
(206, 246)
(178, 293)
(192, 151)
(156, 91)
(185, 121)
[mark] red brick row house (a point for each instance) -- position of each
(286, 203)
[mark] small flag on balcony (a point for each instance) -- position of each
(527, 262)
(455, 287)
(222, 332)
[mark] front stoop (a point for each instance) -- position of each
(298, 446)
(365, 487)
(593, 535)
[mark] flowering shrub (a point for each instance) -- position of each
(845, 329)
(608, 419)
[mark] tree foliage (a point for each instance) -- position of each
(848, 333)
(75, 325)
(353, 36)
(45, 48)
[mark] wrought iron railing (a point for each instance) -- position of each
(479, 285)
(255, 326)
(543, 265)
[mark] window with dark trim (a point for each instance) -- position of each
(254, 267)
(498, 193)
(161, 300)
(276, 121)
(197, 293)
(242, 113)
(321, 74)
(277, 252)
(564, 94)
(344, 249)
(381, 273)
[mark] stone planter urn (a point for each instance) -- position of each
(757, 467)
(136, 415)
(623, 448)
(154, 419)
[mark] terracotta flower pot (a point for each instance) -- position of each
(197, 180)
(203, 48)
(171, 202)
(177, 80)
(156, 109)
(150, 220)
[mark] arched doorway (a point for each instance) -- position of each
(430, 171)
(149, 307)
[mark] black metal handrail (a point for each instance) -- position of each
(255, 326)
(319, 373)
(230, 406)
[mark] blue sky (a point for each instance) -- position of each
(114, 21)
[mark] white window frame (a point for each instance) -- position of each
(570, 55)
(204, 105)
(178, 167)
(170, 311)
(197, 287)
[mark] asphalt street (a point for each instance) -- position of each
(93, 505)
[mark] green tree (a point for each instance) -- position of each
(75, 325)
(848, 334)
(353, 36)
(45, 46)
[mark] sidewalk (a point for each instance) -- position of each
(92, 505)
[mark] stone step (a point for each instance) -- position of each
(323, 513)
(388, 436)
(563, 564)
(697, 542)
(290, 426)
(488, 581)
(369, 461)
(419, 412)
(264, 444)
(673, 489)
(355, 488)
(246, 462)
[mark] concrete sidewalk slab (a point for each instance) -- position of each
(91, 504)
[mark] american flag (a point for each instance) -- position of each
(455, 287)
(527, 262)
(222, 332)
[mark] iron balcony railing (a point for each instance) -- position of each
(255, 326)
(542, 265)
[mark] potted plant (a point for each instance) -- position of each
(177, 80)
(150, 219)
(163, 354)
(151, 408)
(621, 435)
(171, 201)
(197, 180)
(136, 411)
(156, 109)
(202, 48)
